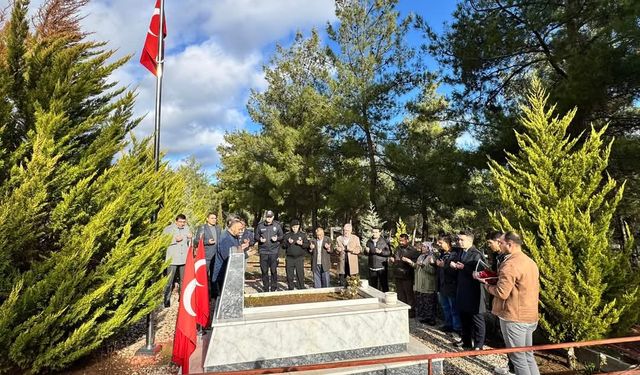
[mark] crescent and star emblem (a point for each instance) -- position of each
(191, 287)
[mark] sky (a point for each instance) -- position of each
(216, 50)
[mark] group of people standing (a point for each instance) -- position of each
(442, 275)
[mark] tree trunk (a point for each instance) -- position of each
(373, 170)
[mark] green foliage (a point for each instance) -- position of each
(375, 68)
(401, 228)
(292, 149)
(200, 196)
(428, 169)
(555, 191)
(350, 291)
(585, 53)
(368, 221)
(81, 259)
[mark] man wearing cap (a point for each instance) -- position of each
(268, 235)
(295, 245)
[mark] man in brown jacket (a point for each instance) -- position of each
(348, 247)
(516, 301)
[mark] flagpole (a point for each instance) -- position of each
(150, 347)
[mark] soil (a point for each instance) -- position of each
(292, 299)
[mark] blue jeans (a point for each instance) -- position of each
(451, 316)
(320, 277)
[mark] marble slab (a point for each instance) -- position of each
(231, 302)
(254, 341)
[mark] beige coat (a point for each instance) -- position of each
(353, 249)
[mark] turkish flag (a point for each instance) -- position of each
(202, 288)
(150, 50)
(184, 341)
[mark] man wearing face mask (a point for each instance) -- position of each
(268, 235)
(469, 294)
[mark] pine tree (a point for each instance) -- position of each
(368, 221)
(556, 192)
(81, 258)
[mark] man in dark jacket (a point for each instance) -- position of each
(320, 249)
(268, 235)
(448, 285)
(378, 251)
(295, 245)
(210, 234)
(405, 258)
(229, 242)
(470, 294)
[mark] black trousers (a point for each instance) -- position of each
(342, 278)
(173, 271)
(269, 263)
(295, 265)
(473, 329)
(404, 288)
(379, 279)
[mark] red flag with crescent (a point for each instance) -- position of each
(184, 341)
(202, 286)
(150, 50)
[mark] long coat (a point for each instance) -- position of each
(325, 255)
(351, 252)
(470, 293)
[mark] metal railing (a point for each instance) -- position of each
(435, 356)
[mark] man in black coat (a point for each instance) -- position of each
(268, 235)
(448, 285)
(469, 294)
(295, 245)
(320, 249)
(405, 258)
(210, 233)
(378, 251)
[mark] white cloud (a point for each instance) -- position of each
(216, 49)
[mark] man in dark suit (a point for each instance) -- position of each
(469, 294)
(210, 234)
(295, 245)
(320, 249)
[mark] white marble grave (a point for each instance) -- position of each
(274, 336)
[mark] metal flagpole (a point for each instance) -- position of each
(150, 347)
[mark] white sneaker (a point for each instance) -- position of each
(502, 371)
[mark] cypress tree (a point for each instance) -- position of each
(81, 258)
(557, 193)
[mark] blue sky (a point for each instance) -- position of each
(215, 53)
